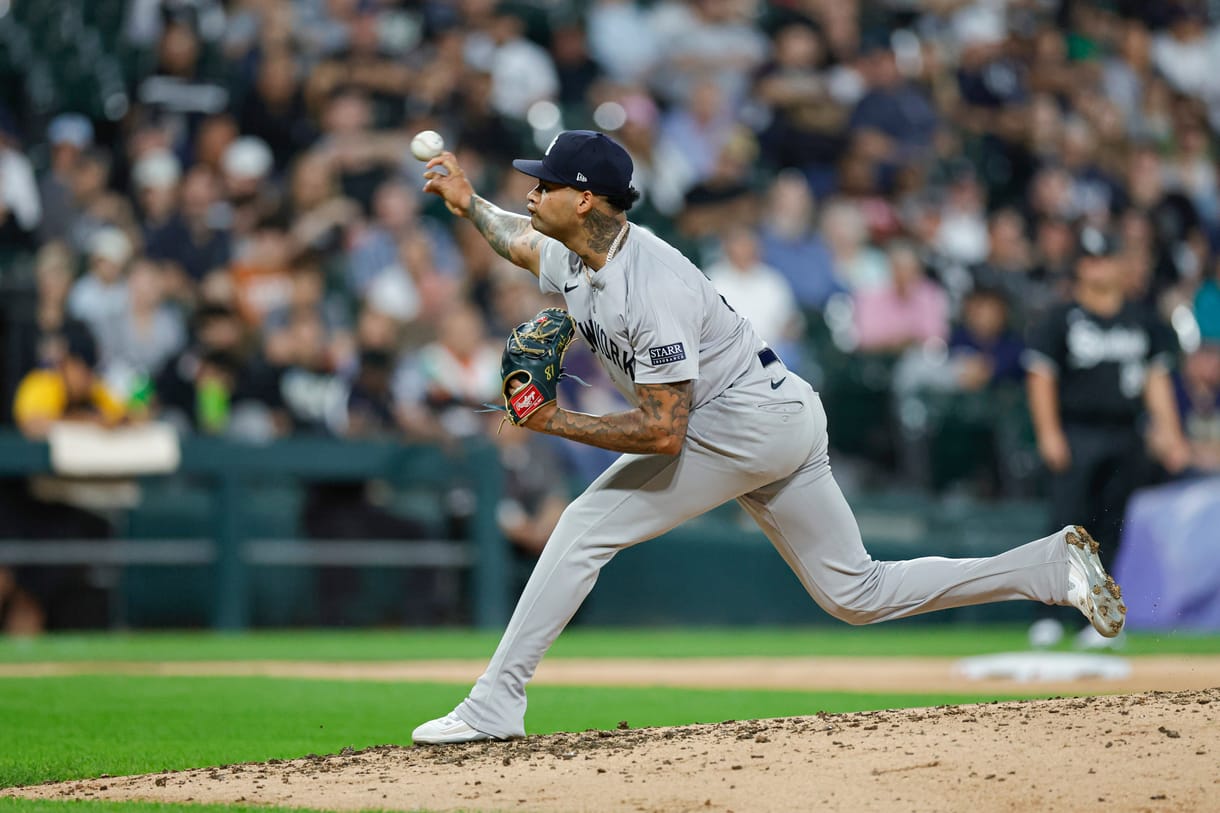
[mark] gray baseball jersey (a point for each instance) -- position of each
(651, 317)
(757, 434)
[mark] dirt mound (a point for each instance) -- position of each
(1153, 751)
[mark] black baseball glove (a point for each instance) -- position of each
(533, 358)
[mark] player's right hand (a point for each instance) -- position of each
(1055, 452)
(451, 185)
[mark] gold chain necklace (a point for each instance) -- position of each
(618, 239)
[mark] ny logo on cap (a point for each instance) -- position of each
(550, 146)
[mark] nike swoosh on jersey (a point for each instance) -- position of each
(567, 289)
(775, 384)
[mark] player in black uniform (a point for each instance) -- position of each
(1096, 366)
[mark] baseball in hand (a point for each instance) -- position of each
(427, 145)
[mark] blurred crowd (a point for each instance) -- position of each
(209, 214)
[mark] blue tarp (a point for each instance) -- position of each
(1169, 560)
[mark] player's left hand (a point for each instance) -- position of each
(538, 419)
(532, 367)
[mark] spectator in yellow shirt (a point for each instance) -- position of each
(69, 392)
(32, 598)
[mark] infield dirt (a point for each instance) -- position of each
(1155, 751)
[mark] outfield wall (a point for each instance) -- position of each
(241, 506)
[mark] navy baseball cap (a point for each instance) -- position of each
(582, 159)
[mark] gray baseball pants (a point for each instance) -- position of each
(766, 448)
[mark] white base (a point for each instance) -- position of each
(1033, 667)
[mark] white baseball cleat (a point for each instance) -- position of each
(1090, 588)
(447, 730)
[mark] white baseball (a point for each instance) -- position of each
(427, 144)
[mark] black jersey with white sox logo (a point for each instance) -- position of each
(1101, 362)
(651, 317)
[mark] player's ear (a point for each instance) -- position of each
(585, 201)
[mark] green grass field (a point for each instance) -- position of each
(895, 639)
(86, 725)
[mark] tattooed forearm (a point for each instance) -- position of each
(656, 426)
(501, 228)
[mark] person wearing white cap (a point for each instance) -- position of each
(247, 161)
(155, 177)
(246, 166)
(101, 294)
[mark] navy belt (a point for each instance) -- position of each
(767, 356)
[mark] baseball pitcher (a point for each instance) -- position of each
(715, 416)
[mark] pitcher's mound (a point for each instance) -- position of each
(1153, 751)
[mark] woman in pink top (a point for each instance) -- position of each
(909, 311)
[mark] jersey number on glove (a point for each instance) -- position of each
(533, 358)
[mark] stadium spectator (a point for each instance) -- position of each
(192, 242)
(521, 71)
(1198, 395)
(248, 188)
(758, 292)
(100, 295)
(857, 264)
(724, 198)
(1179, 240)
(36, 598)
(216, 377)
(70, 390)
(576, 69)
(790, 243)
(395, 217)
(68, 135)
(155, 177)
(623, 39)
(20, 205)
(983, 348)
(450, 378)
(183, 88)
(1184, 53)
(135, 343)
(907, 312)
(274, 111)
(706, 40)
(806, 101)
(1009, 268)
(894, 113)
(962, 234)
(662, 174)
(698, 130)
(1127, 71)
(38, 338)
(360, 157)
